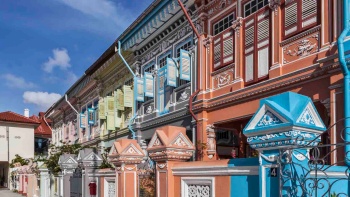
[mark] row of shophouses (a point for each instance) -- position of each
(188, 80)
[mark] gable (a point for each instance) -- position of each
(92, 157)
(181, 140)
(266, 117)
(155, 141)
(70, 160)
(310, 117)
(113, 150)
(131, 149)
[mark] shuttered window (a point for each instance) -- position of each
(223, 42)
(257, 46)
(299, 15)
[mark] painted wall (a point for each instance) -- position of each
(21, 142)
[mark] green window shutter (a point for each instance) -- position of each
(101, 109)
(119, 99)
(110, 113)
(128, 96)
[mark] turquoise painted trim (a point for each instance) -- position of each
(184, 55)
(81, 125)
(161, 89)
(139, 97)
(132, 72)
(171, 66)
(345, 70)
(148, 77)
(165, 54)
(91, 116)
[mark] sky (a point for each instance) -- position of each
(46, 45)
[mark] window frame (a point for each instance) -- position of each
(163, 57)
(300, 29)
(257, 9)
(222, 39)
(255, 50)
(178, 47)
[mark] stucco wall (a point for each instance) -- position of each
(21, 142)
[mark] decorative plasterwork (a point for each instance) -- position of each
(274, 4)
(275, 86)
(300, 35)
(211, 144)
(213, 7)
(237, 24)
(207, 43)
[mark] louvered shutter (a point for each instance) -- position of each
(148, 84)
(119, 99)
(82, 120)
(101, 109)
(110, 113)
(309, 12)
(228, 44)
(185, 65)
(217, 51)
(91, 116)
(117, 119)
(161, 88)
(294, 22)
(249, 49)
(138, 88)
(290, 17)
(263, 35)
(171, 71)
(128, 96)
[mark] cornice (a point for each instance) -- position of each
(240, 95)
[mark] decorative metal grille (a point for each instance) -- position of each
(199, 191)
(319, 177)
(111, 189)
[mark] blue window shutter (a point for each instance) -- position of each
(185, 65)
(148, 84)
(138, 88)
(171, 72)
(91, 116)
(82, 120)
(161, 89)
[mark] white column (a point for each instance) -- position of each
(44, 182)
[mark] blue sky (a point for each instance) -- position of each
(46, 45)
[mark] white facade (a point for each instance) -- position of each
(20, 141)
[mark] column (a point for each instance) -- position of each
(161, 149)
(44, 181)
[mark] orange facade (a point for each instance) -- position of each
(267, 48)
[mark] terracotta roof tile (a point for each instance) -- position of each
(43, 128)
(9, 116)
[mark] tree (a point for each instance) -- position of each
(55, 153)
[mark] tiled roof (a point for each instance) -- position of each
(9, 116)
(43, 128)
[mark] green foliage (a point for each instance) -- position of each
(105, 163)
(334, 195)
(18, 159)
(55, 153)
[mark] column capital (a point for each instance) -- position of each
(124, 152)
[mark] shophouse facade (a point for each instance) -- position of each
(256, 49)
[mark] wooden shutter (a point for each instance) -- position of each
(101, 109)
(223, 48)
(299, 15)
(257, 46)
(110, 113)
(249, 49)
(217, 51)
(117, 119)
(290, 18)
(128, 96)
(263, 34)
(119, 99)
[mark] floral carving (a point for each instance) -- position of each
(211, 145)
(274, 4)
(301, 48)
(237, 24)
(305, 47)
(149, 109)
(184, 95)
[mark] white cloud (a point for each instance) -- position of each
(43, 100)
(17, 82)
(60, 59)
(103, 10)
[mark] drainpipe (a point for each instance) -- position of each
(346, 80)
(199, 44)
(134, 103)
(46, 122)
(70, 104)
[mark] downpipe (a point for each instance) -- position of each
(190, 102)
(346, 80)
(134, 103)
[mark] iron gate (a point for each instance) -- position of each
(313, 171)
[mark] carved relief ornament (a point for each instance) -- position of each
(211, 144)
(237, 24)
(274, 4)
